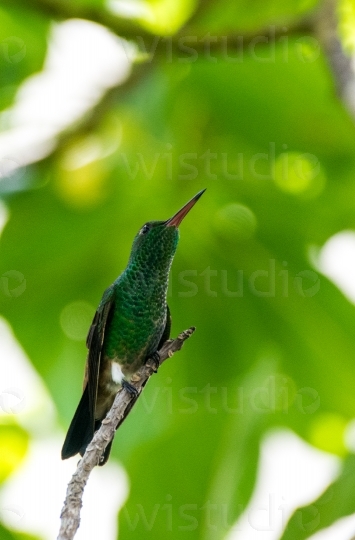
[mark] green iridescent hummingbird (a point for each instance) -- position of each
(130, 325)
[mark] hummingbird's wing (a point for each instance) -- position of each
(166, 333)
(82, 426)
(94, 343)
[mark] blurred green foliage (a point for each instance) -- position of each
(23, 47)
(262, 129)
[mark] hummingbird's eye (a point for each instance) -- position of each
(144, 229)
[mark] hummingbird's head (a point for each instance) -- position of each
(155, 243)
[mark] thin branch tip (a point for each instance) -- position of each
(70, 514)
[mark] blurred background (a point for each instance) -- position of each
(116, 112)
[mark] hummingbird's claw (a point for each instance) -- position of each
(130, 388)
(155, 358)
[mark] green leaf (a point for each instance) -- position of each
(7, 534)
(337, 501)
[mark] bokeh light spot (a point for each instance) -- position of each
(299, 174)
(75, 320)
(236, 222)
(83, 187)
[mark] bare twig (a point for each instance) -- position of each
(341, 63)
(70, 516)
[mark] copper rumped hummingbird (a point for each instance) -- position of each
(130, 325)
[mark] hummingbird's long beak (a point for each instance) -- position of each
(179, 216)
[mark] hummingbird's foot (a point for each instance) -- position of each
(130, 388)
(155, 357)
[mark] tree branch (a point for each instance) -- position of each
(160, 46)
(70, 516)
(340, 62)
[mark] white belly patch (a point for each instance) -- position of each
(116, 373)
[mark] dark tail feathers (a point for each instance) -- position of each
(80, 432)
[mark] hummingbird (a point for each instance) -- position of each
(130, 325)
